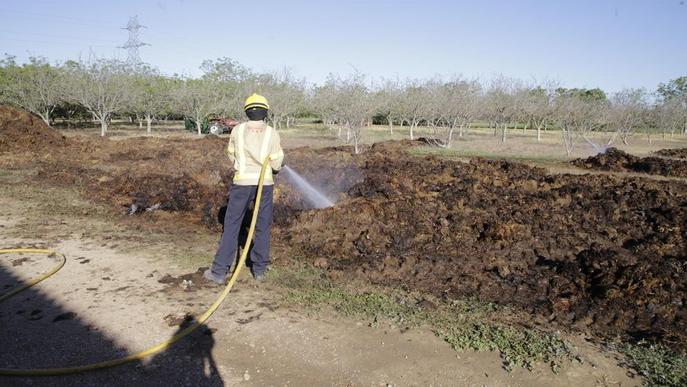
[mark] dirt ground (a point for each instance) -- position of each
(112, 299)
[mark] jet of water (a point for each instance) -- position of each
(310, 193)
(597, 147)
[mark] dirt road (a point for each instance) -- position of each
(108, 301)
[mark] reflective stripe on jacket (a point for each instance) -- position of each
(250, 143)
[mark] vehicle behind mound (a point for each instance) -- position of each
(212, 125)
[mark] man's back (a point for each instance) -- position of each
(250, 144)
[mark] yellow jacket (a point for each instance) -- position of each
(250, 143)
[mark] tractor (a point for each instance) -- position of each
(211, 125)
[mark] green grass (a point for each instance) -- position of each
(659, 365)
(466, 324)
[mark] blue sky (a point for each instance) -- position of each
(604, 43)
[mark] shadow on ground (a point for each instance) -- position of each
(36, 331)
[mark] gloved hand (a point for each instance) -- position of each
(276, 172)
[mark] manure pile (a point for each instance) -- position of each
(605, 254)
(618, 161)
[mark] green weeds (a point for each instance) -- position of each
(463, 324)
(659, 365)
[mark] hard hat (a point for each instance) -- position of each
(256, 101)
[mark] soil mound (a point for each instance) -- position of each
(679, 153)
(595, 252)
(618, 161)
(22, 131)
(604, 254)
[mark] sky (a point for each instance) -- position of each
(611, 44)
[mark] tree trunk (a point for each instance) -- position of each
(391, 124)
(103, 126)
(539, 133)
(503, 133)
(450, 137)
(412, 128)
(149, 122)
(567, 140)
(199, 125)
(524, 128)
(46, 117)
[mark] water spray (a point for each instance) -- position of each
(313, 196)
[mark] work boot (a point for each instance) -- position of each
(259, 277)
(211, 277)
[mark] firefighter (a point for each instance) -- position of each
(250, 143)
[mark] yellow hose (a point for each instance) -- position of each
(35, 280)
(152, 350)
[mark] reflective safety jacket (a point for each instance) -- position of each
(250, 143)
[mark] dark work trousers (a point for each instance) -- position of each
(240, 198)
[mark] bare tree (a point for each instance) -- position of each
(411, 105)
(286, 94)
(538, 108)
(102, 86)
(452, 105)
(467, 102)
(223, 88)
(197, 98)
(675, 93)
(34, 86)
(628, 112)
(434, 103)
(577, 117)
(323, 101)
(354, 107)
(669, 116)
(150, 94)
(502, 104)
(388, 99)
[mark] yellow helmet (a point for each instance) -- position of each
(256, 101)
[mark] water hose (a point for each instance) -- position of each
(154, 349)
